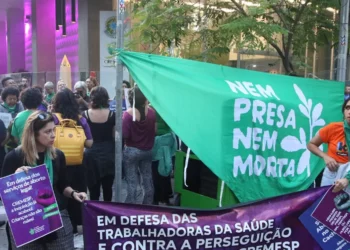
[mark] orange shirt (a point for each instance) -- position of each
(334, 135)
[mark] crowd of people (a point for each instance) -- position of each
(31, 139)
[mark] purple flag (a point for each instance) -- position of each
(270, 224)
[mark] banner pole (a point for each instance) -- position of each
(118, 108)
(343, 40)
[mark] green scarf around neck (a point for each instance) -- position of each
(48, 163)
(10, 109)
(347, 135)
(49, 97)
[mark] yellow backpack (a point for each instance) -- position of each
(70, 139)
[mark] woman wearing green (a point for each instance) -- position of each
(50, 92)
(37, 149)
(162, 165)
(31, 99)
(10, 96)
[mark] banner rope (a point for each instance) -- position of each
(221, 193)
(186, 165)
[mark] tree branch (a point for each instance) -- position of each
(279, 15)
(284, 42)
(239, 8)
(294, 25)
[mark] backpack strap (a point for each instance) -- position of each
(87, 116)
(59, 117)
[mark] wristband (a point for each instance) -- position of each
(72, 193)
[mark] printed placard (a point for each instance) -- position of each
(30, 205)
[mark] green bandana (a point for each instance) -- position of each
(10, 109)
(347, 135)
(48, 163)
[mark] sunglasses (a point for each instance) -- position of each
(43, 116)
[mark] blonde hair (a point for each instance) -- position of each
(34, 123)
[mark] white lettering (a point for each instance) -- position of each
(241, 106)
(238, 164)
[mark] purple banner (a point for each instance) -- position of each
(30, 205)
(270, 224)
(333, 212)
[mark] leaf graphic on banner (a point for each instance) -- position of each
(304, 163)
(291, 144)
(320, 123)
(316, 113)
(300, 95)
(309, 104)
(302, 137)
(303, 110)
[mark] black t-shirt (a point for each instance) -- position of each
(101, 132)
(15, 159)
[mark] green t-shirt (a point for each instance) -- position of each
(19, 123)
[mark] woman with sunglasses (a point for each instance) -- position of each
(36, 149)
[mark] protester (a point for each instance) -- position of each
(3, 132)
(49, 92)
(112, 104)
(337, 136)
(139, 140)
(8, 81)
(43, 105)
(80, 92)
(91, 83)
(31, 99)
(164, 149)
(100, 158)
(23, 84)
(347, 92)
(37, 148)
(66, 105)
(61, 85)
(10, 96)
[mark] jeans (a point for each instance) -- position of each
(137, 162)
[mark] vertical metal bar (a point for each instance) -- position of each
(343, 41)
(331, 67)
(74, 19)
(58, 14)
(64, 23)
(118, 108)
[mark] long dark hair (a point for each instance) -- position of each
(99, 98)
(140, 101)
(65, 103)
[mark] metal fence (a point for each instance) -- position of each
(40, 78)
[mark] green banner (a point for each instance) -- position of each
(250, 128)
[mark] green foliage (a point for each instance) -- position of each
(210, 29)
